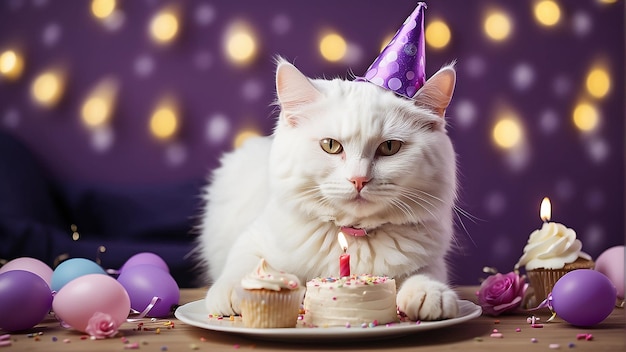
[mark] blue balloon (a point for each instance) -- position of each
(583, 297)
(71, 269)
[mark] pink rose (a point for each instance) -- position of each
(101, 326)
(501, 293)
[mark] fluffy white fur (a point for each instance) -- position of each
(284, 198)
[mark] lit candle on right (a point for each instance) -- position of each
(546, 209)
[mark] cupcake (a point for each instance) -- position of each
(550, 253)
(270, 298)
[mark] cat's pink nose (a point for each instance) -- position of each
(359, 182)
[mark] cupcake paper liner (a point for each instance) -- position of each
(543, 280)
(270, 309)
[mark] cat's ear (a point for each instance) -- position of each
(437, 91)
(293, 90)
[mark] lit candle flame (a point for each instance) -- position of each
(546, 209)
(342, 241)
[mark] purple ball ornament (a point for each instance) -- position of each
(583, 297)
(72, 269)
(145, 258)
(33, 265)
(143, 283)
(25, 300)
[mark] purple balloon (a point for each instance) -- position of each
(145, 258)
(583, 297)
(25, 300)
(144, 282)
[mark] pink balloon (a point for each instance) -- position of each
(145, 258)
(33, 265)
(82, 298)
(611, 264)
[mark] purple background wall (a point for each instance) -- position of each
(538, 72)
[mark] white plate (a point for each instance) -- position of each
(194, 313)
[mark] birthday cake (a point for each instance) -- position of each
(347, 301)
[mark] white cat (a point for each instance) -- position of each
(343, 154)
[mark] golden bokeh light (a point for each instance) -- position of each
(102, 9)
(507, 133)
(438, 34)
(11, 64)
(498, 26)
(598, 82)
(333, 47)
(47, 88)
(386, 42)
(240, 43)
(95, 112)
(586, 117)
(243, 136)
(164, 26)
(547, 12)
(164, 121)
(97, 109)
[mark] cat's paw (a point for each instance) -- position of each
(422, 298)
(221, 299)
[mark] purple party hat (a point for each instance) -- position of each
(400, 67)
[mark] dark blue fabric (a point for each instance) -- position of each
(36, 214)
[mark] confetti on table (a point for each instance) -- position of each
(554, 346)
(131, 346)
(497, 335)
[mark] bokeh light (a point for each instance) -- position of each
(240, 43)
(438, 34)
(47, 88)
(586, 116)
(98, 107)
(243, 136)
(102, 9)
(164, 26)
(498, 25)
(598, 82)
(507, 133)
(333, 47)
(386, 42)
(11, 64)
(164, 121)
(547, 12)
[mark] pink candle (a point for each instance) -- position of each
(344, 265)
(344, 259)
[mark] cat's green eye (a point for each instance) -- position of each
(331, 146)
(388, 148)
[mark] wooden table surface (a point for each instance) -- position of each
(473, 335)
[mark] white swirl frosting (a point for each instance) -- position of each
(266, 277)
(551, 247)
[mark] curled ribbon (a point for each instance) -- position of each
(145, 312)
(546, 303)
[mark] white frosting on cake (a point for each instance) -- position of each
(354, 300)
(267, 278)
(551, 247)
